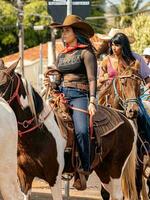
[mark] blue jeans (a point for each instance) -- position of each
(79, 99)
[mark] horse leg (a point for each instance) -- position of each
(111, 185)
(114, 188)
(56, 189)
(9, 185)
(25, 183)
(105, 195)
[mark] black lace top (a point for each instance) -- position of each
(80, 66)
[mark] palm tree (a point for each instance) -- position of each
(98, 9)
(131, 7)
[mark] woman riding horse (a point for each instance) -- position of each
(77, 63)
(120, 58)
(112, 69)
(41, 145)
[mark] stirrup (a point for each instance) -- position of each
(68, 149)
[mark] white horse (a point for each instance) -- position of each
(9, 186)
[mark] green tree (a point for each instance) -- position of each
(36, 14)
(98, 9)
(141, 31)
(8, 31)
(127, 6)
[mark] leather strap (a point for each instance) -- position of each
(77, 85)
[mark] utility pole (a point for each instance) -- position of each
(69, 7)
(21, 34)
(52, 46)
(67, 182)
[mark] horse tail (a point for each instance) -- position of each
(129, 173)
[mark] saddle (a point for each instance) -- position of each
(105, 121)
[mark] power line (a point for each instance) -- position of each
(118, 15)
(91, 18)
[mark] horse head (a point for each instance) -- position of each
(122, 92)
(129, 92)
(21, 96)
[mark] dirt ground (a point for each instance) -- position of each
(41, 191)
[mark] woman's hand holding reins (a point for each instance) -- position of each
(46, 81)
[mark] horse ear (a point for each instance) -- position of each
(13, 67)
(2, 65)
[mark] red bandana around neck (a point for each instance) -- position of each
(69, 48)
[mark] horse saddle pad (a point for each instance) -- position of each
(106, 120)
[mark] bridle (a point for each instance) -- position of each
(15, 95)
(16, 92)
(123, 102)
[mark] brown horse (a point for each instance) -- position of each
(122, 93)
(41, 146)
(117, 93)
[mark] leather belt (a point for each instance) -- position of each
(81, 86)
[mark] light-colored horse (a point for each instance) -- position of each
(9, 186)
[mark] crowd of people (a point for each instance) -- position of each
(81, 75)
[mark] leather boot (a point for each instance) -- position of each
(80, 182)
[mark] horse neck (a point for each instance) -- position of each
(114, 95)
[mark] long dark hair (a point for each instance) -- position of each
(123, 41)
(83, 39)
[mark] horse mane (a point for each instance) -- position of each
(35, 100)
(105, 88)
(38, 101)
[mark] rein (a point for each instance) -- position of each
(16, 93)
(91, 119)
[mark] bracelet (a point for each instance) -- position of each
(93, 103)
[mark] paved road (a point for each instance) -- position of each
(41, 190)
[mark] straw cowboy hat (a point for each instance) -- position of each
(146, 51)
(112, 33)
(76, 22)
